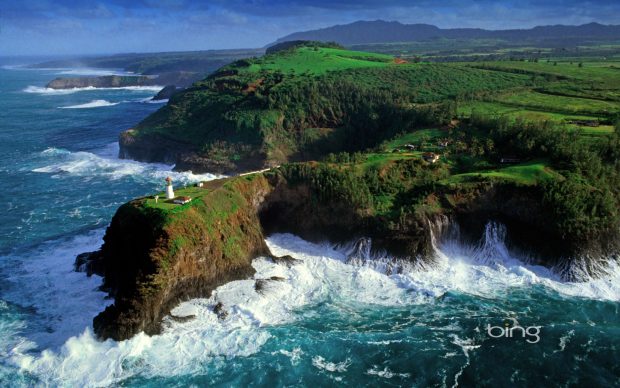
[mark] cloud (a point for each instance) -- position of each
(72, 26)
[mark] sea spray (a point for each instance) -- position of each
(107, 164)
(321, 276)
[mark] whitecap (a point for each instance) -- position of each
(149, 100)
(49, 91)
(320, 363)
(44, 279)
(91, 104)
(385, 373)
(105, 163)
(322, 274)
(91, 71)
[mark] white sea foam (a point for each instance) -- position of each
(103, 103)
(14, 67)
(294, 355)
(91, 71)
(321, 275)
(106, 164)
(150, 100)
(489, 269)
(91, 104)
(50, 91)
(320, 363)
(45, 281)
(385, 373)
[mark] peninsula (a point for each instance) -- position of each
(368, 145)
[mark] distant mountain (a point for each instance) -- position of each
(379, 31)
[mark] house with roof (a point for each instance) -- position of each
(182, 200)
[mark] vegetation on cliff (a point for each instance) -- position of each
(304, 102)
(374, 119)
(155, 255)
(369, 146)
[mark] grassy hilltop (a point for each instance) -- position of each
(371, 118)
(307, 101)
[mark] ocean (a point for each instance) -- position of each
(328, 321)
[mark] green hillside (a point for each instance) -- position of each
(400, 140)
(307, 101)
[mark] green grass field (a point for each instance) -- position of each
(526, 173)
(564, 93)
(559, 104)
(319, 60)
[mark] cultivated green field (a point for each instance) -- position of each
(583, 96)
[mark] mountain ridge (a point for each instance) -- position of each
(381, 31)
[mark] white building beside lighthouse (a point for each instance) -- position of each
(169, 190)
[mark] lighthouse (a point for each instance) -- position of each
(169, 191)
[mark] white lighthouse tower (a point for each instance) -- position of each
(169, 190)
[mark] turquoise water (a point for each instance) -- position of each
(327, 322)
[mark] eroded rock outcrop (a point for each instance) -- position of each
(153, 257)
(175, 80)
(106, 81)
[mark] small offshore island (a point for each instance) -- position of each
(364, 145)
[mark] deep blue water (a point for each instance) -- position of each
(326, 323)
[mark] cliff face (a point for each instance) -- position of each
(165, 93)
(295, 208)
(185, 156)
(529, 230)
(154, 258)
(180, 79)
(153, 149)
(155, 255)
(107, 81)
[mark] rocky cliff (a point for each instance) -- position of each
(153, 257)
(157, 254)
(106, 81)
(177, 79)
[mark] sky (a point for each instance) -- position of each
(70, 27)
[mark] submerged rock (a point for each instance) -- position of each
(220, 311)
(183, 319)
(261, 285)
(285, 260)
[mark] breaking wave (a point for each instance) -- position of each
(50, 91)
(321, 275)
(106, 163)
(149, 100)
(92, 72)
(91, 104)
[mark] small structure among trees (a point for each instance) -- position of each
(182, 200)
(430, 157)
(510, 160)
